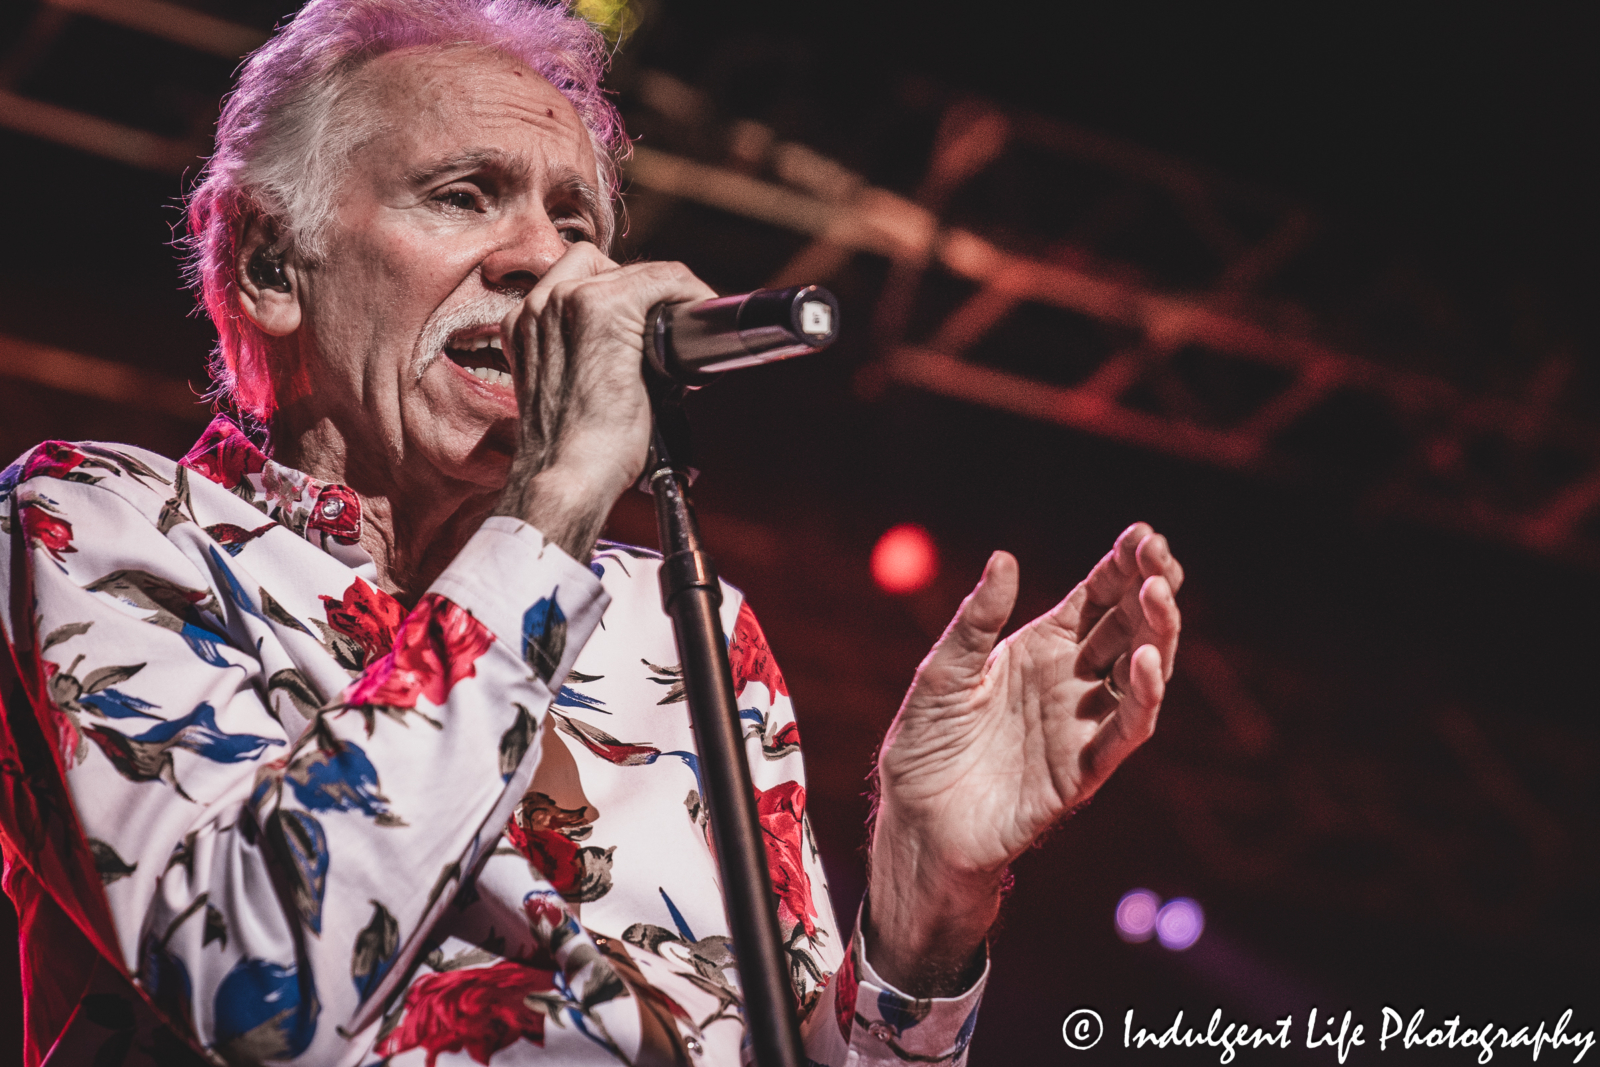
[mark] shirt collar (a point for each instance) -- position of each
(325, 513)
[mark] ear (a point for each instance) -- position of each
(269, 282)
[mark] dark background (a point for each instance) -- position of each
(1407, 815)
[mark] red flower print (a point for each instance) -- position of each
(553, 854)
(844, 992)
(52, 460)
(367, 616)
(781, 810)
(437, 646)
(545, 833)
(43, 528)
(551, 926)
(750, 657)
(543, 913)
(65, 726)
(225, 455)
(787, 738)
(477, 1009)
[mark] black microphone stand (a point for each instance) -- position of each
(690, 594)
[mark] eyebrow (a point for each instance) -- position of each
(571, 183)
(470, 160)
(584, 193)
(590, 202)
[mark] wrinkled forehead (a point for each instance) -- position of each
(421, 102)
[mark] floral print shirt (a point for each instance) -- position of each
(253, 808)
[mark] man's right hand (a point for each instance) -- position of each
(576, 346)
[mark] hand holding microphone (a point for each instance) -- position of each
(588, 418)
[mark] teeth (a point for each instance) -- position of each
(492, 376)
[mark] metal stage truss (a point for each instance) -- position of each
(1215, 366)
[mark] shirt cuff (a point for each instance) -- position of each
(893, 1027)
(528, 592)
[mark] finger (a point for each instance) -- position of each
(1147, 614)
(1155, 557)
(965, 646)
(1111, 637)
(518, 330)
(1108, 582)
(644, 285)
(582, 260)
(603, 318)
(586, 294)
(1133, 721)
(1144, 615)
(616, 303)
(1162, 622)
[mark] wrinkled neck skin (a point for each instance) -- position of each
(415, 517)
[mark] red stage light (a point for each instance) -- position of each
(904, 560)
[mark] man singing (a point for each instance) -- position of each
(357, 746)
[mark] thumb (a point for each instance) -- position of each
(971, 635)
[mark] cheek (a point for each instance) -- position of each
(409, 265)
(388, 254)
(385, 286)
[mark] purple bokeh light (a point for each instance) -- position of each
(1136, 915)
(1180, 923)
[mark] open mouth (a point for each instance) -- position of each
(478, 352)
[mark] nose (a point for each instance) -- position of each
(529, 244)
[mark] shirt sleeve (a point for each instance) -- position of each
(860, 1018)
(849, 1014)
(268, 891)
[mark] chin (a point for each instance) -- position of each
(486, 462)
(469, 426)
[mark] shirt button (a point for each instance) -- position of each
(331, 508)
(880, 1031)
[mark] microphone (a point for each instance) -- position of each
(691, 344)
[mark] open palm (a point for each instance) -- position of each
(997, 740)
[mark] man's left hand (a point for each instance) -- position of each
(993, 745)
